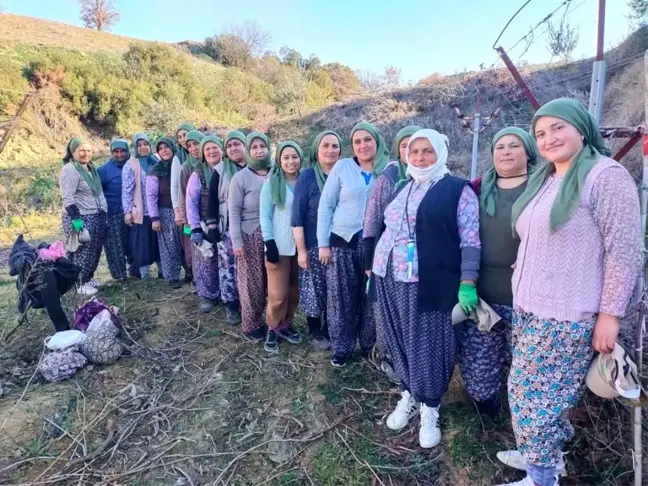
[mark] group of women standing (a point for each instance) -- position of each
(379, 248)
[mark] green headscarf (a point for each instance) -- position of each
(382, 151)
(203, 164)
(277, 175)
(312, 158)
(145, 162)
(253, 163)
(120, 143)
(163, 167)
(403, 133)
(196, 136)
(181, 152)
(229, 167)
(91, 176)
(569, 193)
(489, 193)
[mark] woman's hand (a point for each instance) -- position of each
(128, 219)
(325, 255)
(238, 252)
(302, 259)
(179, 221)
(368, 273)
(156, 226)
(606, 331)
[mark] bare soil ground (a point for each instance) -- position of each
(192, 402)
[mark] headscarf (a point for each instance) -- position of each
(230, 167)
(91, 176)
(437, 170)
(163, 167)
(196, 136)
(382, 151)
(572, 183)
(120, 143)
(253, 163)
(403, 133)
(145, 162)
(181, 152)
(312, 158)
(489, 192)
(278, 177)
(203, 164)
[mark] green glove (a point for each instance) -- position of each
(468, 297)
(77, 225)
(186, 230)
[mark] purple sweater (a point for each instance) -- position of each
(590, 264)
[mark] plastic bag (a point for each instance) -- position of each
(65, 339)
(84, 315)
(103, 321)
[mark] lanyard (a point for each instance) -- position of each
(410, 242)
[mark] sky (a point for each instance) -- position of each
(419, 37)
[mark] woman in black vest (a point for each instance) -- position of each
(160, 206)
(426, 260)
(481, 354)
(197, 206)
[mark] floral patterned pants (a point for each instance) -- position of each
(550, 360)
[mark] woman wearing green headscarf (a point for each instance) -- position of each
(482, 355)
(192, 143)
(277, 196)
(181, 140)
(143, 240)
(197, 204)
(580, 252)
(160, 206)
(340, 218)
(325, 152)
(245, 230)
(381, 196)
(84, 208)
(233, 161)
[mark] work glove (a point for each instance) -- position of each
(77, 225)
(186, 230)
(197, 237)
(271, 251)
(213, 235)
(468, 297)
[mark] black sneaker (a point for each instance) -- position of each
(339, 360)
(290, 335)
(175, 284)
(271, 344)
(232, 317)
(188, 278)
(257, 335)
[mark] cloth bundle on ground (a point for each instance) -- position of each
(84, 315)
(40, 284)
(61, 365)
(102, 323)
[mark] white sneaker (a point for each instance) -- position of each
(526, 482)
(86, 289)
(429, 433)
(94, 283)
(515, 460)
(406, 408)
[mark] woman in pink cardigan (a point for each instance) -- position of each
(580, 252)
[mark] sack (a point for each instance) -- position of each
(84, 314)
(61, 365)
(102, 347)
(65, 339)
(103, 322)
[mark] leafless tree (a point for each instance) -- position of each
(99, 14)
(252, 34)
(561, 40)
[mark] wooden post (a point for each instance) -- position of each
(15, 121)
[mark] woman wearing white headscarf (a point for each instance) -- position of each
(417, 290)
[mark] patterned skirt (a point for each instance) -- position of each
(312, 286)
(550, 360)
(349, 313)
(206, 276)
(88, 254)
(116, 246)
(227, 269)
(252, 281)
(482, 355)
(421, 344)
(169, 245)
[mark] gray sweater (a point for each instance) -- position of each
(243, 204)
(75, 190)
(343, 202)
